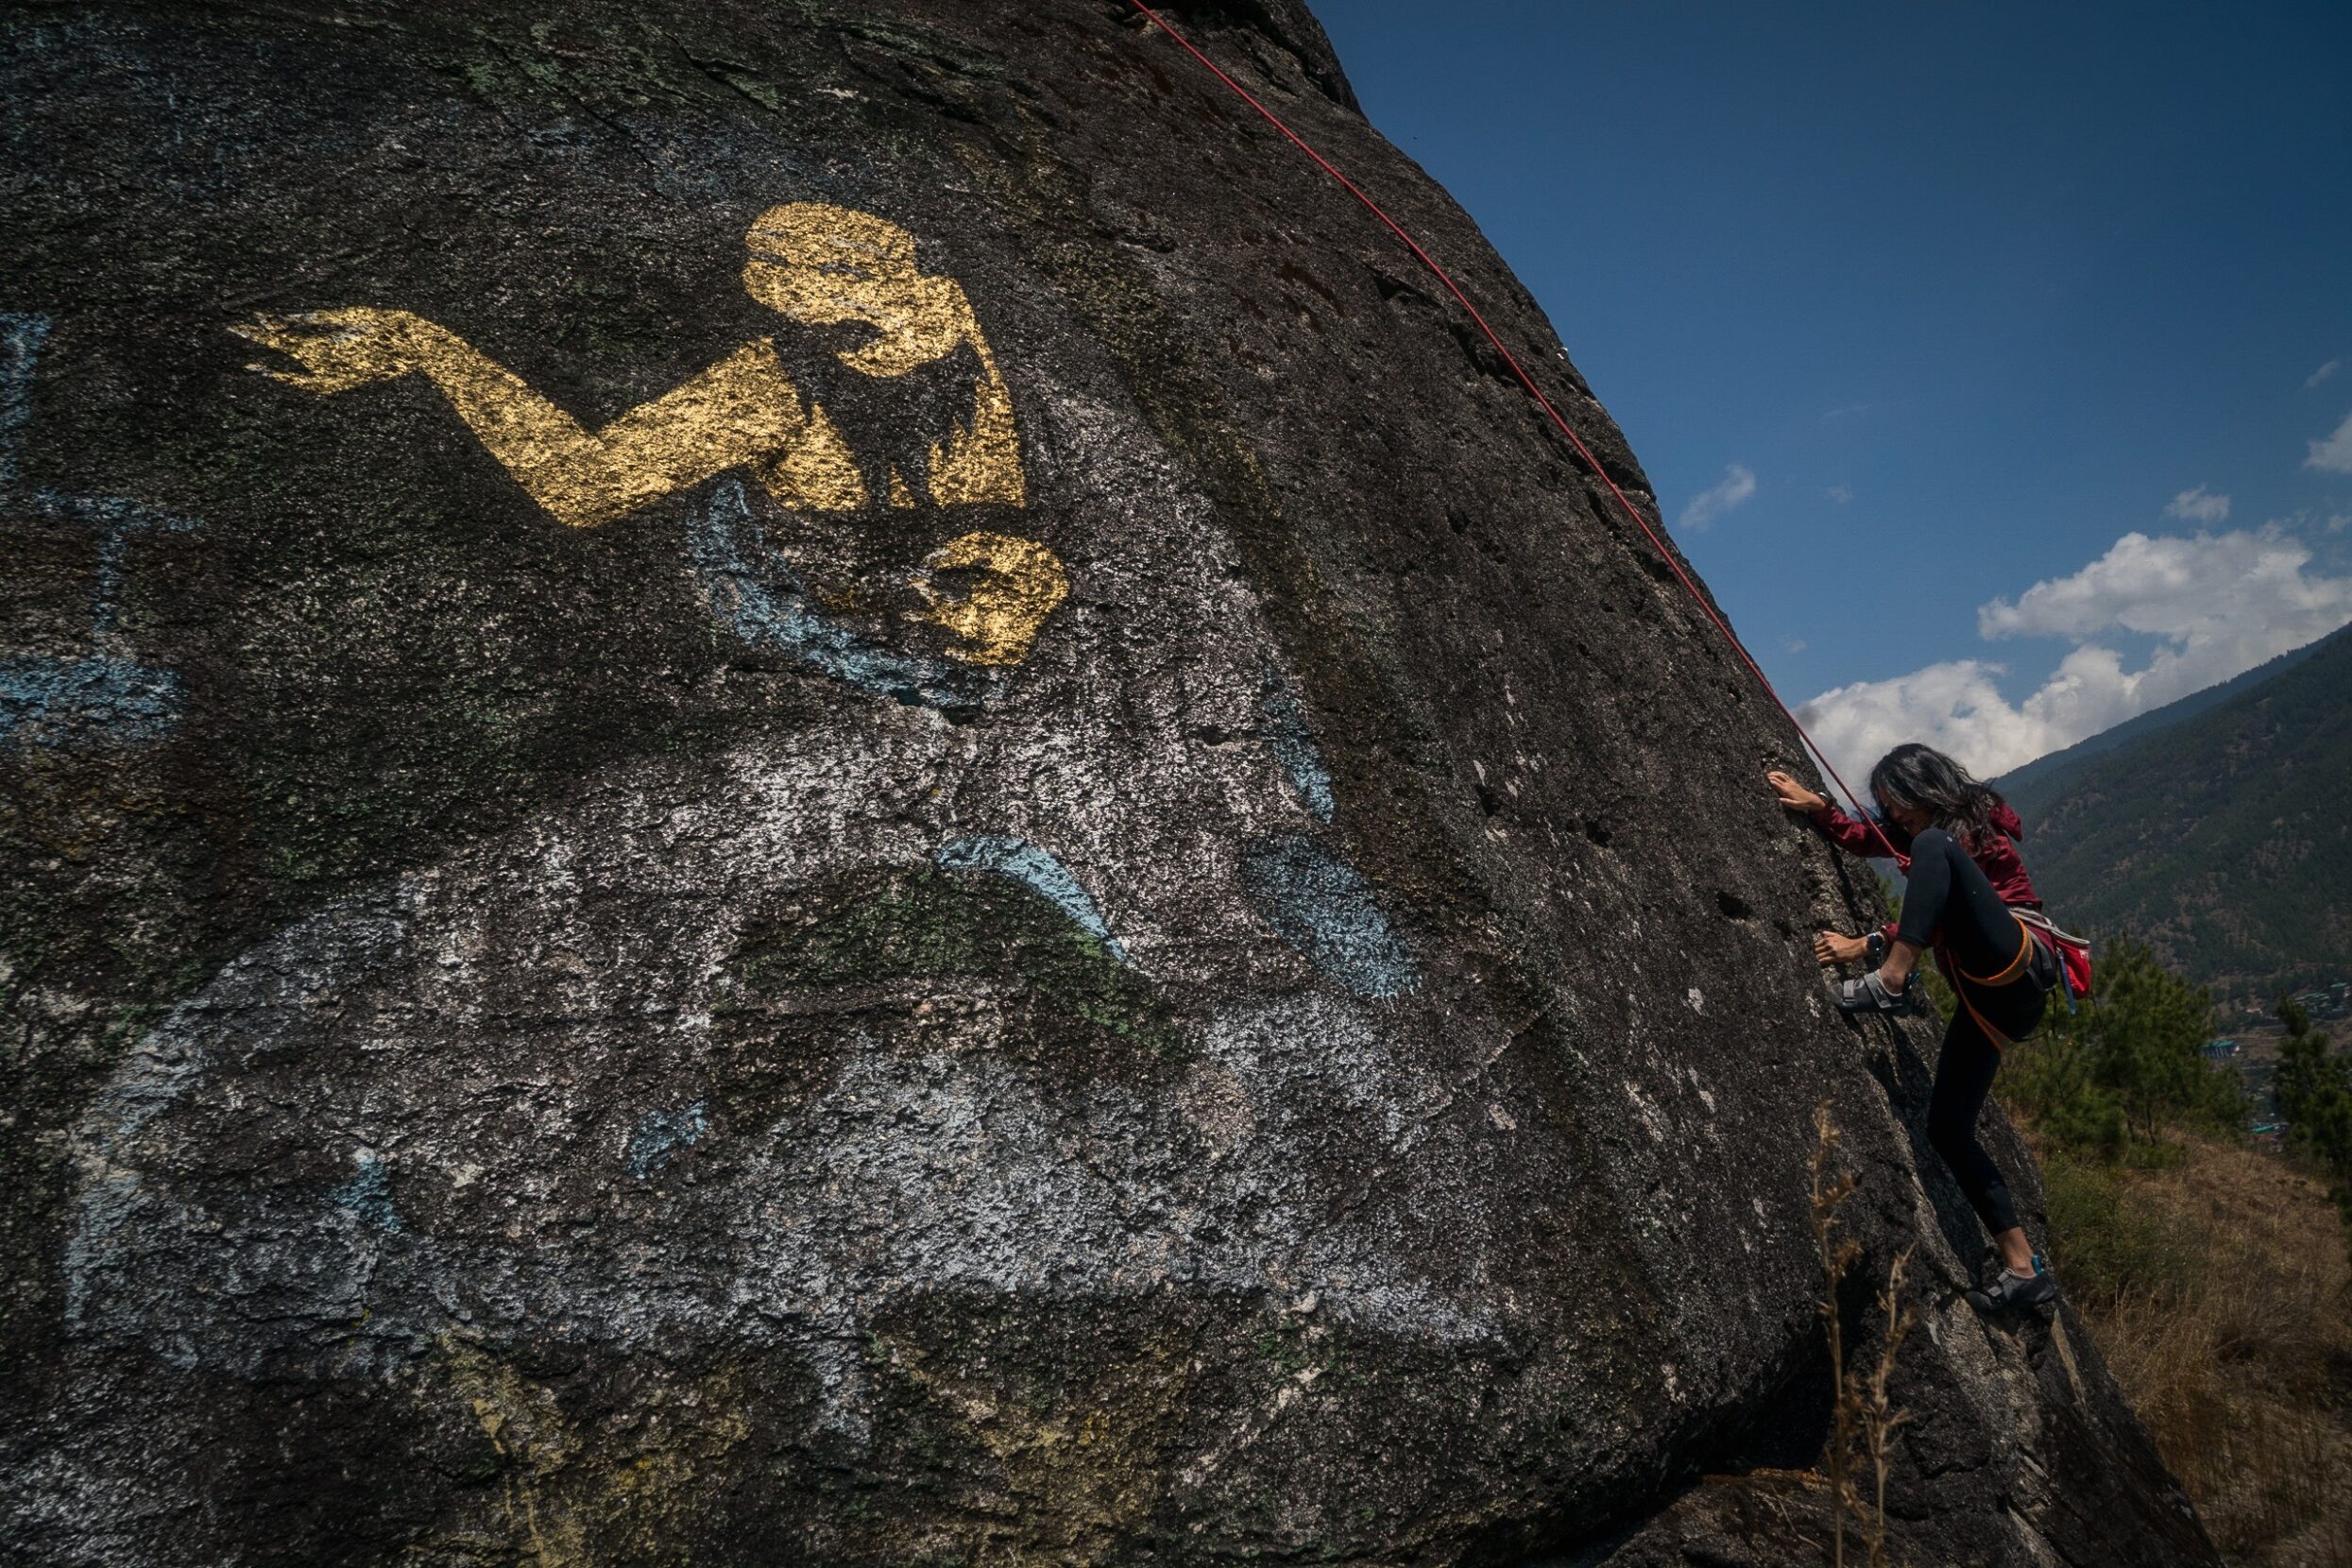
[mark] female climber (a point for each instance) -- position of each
(1965, 883)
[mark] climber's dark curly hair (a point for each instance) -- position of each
(1921, 777)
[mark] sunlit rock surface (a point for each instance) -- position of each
(830, 784)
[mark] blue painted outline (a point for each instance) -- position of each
(1039, 871)
(659, 1137)
(368, 1194)
(102, 697)
(762, 602)
(1326, 909)
(1293, 745)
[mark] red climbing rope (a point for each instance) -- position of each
(1541, 402)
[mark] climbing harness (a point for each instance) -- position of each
(1541, 402)
(1965, 986)
(2072, 952)
(2009, 971)
(2042, 960)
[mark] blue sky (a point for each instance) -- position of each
(1973, 294)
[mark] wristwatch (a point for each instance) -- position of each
(1876, 945)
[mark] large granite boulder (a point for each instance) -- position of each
(830, 783)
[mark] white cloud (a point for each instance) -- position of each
(2322, 373)
(2335, 453)
(2218, 605)
(2195, 591)
(1954, 707)
(2198, 506)
(1738, 484)
(1839, 493)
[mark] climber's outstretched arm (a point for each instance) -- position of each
(1853, 836)
(743, 407)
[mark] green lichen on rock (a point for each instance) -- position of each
(1058, 985)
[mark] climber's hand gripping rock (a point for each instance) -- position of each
(1829, 947)
(1793, 794)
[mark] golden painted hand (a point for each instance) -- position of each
(819, 264)
(340, 350)
(743, 409)
(1018, 583)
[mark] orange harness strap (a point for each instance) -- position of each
(2001, 1042)
(2025, 949)
(1963, 981)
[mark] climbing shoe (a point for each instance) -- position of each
(2004, 1292)
(1868, 994)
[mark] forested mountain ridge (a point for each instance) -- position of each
(2048, 774)
(2225, 841)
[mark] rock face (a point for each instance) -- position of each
(830, 783)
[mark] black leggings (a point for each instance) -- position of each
(1948, 901)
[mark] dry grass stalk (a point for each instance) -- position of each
(1862, 1413)
(1880, 1415)
(1839, 1253)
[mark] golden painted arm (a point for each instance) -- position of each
(743, 407)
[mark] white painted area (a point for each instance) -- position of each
(493, 1026)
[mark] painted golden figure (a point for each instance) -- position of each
(818, 265)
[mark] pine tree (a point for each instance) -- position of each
(2315, 1096)
(2145, 1037)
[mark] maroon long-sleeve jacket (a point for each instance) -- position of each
(1996, 857)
